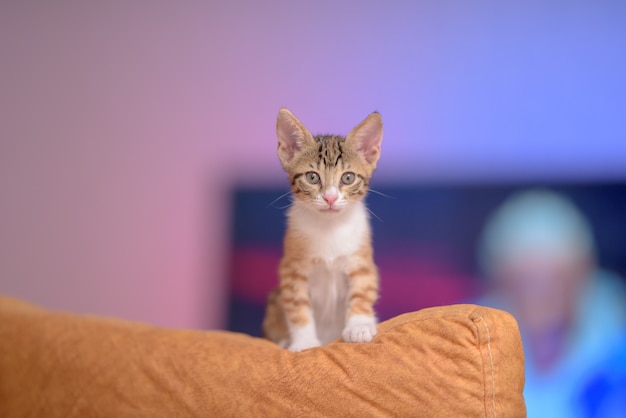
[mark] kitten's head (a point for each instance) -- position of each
(328, 172)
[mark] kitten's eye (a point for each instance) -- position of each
(348, 178)
(312, 177)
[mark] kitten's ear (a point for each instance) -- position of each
(367, 137)
(292, 136)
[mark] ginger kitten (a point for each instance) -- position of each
(328, 279)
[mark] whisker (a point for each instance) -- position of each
(284, 207)
(374, 215)
(381, 193)
(277, 199)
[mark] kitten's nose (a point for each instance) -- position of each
(330, 198)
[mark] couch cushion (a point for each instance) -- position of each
(452, 361)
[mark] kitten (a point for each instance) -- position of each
(328, 279)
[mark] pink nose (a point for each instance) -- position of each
(330, 198)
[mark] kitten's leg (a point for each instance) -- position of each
(360, 318)
(294, 297)
(274, 325)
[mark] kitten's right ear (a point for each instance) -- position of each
(292, 136)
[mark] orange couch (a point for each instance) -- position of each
(452, 361)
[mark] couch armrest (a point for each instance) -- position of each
(460, 360)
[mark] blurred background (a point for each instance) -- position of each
(137, 151)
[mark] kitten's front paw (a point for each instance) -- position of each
(360, 329)
(303, 343)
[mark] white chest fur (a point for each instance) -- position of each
(331, 236)
(332, 241)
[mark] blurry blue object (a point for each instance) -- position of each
(605, 394)
(587, 381)
(538, 252)
(598, 330)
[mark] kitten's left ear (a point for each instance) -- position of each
(367, 137)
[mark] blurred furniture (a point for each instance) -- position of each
(451, 361)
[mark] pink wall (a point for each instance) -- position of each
(124, 124)
(113, 162)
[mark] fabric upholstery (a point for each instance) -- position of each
(451, 361)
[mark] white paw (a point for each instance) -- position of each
(303, 343)
(360, 329)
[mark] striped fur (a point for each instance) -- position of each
(328, 279)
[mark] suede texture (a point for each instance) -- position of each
(451, 361)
